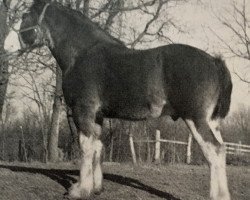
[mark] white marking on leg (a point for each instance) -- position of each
(98, 176)
(86, 171)
(194, 131)
(98, 130)
(216, 158)
(12, 43)
(214, 125)
(219, 187)
(84, 187)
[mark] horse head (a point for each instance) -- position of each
(29, 32)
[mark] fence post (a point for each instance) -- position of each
(239, 148)
(132, 148)
(157, 146)
(189, 145)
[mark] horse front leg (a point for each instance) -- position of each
(91, 177)
(84, 187)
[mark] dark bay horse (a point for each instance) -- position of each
(103, 78)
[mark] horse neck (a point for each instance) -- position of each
(68, 40)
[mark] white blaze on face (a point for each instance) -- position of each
(12, 43)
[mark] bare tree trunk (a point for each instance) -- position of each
(3, 62)
(74, 148)
(139, 150)
(111, 141)
(23, 146)
(54, 129)
(111, 148)
(45, 141)
(3, 140)
(120, 146)
(148, 143)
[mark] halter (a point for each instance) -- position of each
(36, 28)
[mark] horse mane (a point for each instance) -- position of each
(77, 15)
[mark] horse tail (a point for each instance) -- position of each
(225, 89)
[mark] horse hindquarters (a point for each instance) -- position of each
(199, 89)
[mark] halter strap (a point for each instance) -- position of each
(41, 17)
(40, 20)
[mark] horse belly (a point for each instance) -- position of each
(140, 105)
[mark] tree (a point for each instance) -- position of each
(237, 21)
(38, 97)
(3, 68)
(3, 62)
(237, 126)
(54, 129)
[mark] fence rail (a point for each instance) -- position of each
(237, 148)
(231, 148)
(162, 140)
(158, 142)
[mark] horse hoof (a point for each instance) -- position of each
(221, 197)
(98, 191)
(76, 192)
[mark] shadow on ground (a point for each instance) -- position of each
(64, 178)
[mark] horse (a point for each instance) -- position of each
(102, 78)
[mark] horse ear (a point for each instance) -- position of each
(40, 1)
(37, 1)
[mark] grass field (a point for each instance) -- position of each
(172, 182)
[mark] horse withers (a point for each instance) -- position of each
(103, 78)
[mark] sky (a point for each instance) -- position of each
(201, 19)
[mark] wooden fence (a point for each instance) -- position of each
(237, 148)
(158, 142)
(232, 148)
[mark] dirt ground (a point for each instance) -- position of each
(172, 182)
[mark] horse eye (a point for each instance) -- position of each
(25, 15)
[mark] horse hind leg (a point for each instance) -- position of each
(209, 138)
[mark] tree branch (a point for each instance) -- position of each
(241, 78)
(145, 31)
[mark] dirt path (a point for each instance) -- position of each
(122, 182)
